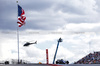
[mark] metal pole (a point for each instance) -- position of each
(56, 52)
(18, 43)
(17, 33)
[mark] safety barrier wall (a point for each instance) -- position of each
(51, 65)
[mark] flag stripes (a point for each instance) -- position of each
(21, 16)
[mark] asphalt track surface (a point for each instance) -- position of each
(50, 65)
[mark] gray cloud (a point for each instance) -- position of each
(37, 5)
(51, 15)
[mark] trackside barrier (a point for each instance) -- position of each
(50, 65)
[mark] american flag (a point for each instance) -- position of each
(21, 16)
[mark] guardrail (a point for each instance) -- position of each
(50, 65)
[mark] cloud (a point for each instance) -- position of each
(77, 6)
(49, 15)
(73, 45)
(76, 22)
(82, 27)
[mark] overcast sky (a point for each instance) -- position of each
(77, 22)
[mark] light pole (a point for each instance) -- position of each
(60, 40)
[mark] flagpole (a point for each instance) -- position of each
(18, 34)
(18, 42)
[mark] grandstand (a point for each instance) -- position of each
(91, 58)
